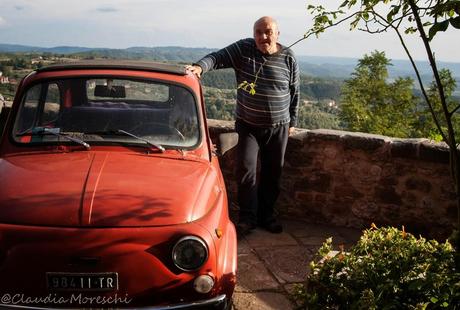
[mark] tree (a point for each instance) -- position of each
(426, 18)
(6, 69)
(313, 117)
(371, 104)
(425, 125)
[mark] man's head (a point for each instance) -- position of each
(266, 35)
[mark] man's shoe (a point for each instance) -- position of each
(243, 229)
(273, 226)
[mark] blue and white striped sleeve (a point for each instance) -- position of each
(295, 93)
(228, 57)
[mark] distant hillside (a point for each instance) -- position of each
(15, 48)
(315, 66)
(168, 53)
(340, 67)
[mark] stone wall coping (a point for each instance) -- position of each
(353, 179)
(414, 148)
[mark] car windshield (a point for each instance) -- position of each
(108, 110)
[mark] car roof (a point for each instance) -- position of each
(117, 64)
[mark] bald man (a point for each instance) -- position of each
(264, 119)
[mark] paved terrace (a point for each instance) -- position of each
(270, 265)
(334, 179)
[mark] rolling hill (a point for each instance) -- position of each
(314, 66)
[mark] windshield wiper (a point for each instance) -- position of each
(126, 133)
(53, 131)
(157, 146)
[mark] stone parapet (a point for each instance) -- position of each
(353, 179)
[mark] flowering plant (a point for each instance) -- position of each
(245, 85)
(388, 268)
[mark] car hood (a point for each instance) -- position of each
(103, 189)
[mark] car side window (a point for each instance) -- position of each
(28, 113)
(52, 104)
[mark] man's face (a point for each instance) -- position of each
(266, 36)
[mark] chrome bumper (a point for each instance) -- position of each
(219, 303)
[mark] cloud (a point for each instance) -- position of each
(3, 22)
(149, 23)
(106, 9)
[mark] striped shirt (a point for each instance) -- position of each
(276, 100)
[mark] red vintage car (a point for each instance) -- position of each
(111, 193)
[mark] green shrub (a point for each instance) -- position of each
(387, 269)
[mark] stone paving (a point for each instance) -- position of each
(270, 265)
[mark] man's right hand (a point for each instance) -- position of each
(195, 70)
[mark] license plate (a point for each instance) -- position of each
(106, 281)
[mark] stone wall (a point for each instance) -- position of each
(354, 179)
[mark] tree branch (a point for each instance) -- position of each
(454, 156)
(454, 110)
(309, 33)
(442, 97)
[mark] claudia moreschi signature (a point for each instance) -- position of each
(77, 299)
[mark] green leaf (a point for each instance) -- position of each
(393, 12)
(423, 306)
(442, 26)
(390, 17)
(455, 22)
(434, 300)
(244, 85)
(354, 23)
(345, 3)
(410, 30)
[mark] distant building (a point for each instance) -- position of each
(332, 104)
(36, 60)
(4, 79)
(308, 102)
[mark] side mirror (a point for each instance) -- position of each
(227, 141)
(111, 92)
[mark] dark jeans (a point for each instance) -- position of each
(257, 196)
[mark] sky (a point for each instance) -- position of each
(194, 23)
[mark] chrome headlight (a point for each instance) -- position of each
(189, 253)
